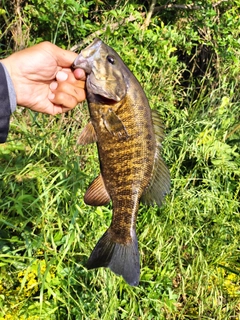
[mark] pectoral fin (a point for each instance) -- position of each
(159, 185)
(114, 124)
(88, 135)
(96, 194)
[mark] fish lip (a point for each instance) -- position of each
(83, 63)
(84, 59)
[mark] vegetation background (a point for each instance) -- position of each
(187, 57)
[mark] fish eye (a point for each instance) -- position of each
(111, 59)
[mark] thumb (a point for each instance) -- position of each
(63, 57)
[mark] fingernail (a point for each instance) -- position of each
(51, 96)
(53, 85)
(61, 75)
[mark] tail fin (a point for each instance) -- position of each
(122, 259)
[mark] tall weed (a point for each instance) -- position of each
(190, 267)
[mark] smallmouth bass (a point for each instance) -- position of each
(128, 136)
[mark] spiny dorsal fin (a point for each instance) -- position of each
(159, 184)
(88, 135)
(96, 194)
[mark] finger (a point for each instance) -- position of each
(67, 100)
(67, 86)
(55, 109)
(61, 76)
(53, 85)
(63, 57)
(69, 76)
(79, 74)
(70, 88)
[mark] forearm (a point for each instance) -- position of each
(7, 102)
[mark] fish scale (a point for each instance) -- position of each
(128, 136)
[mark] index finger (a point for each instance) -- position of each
(67, 75)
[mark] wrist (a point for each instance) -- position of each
(7, 66)
(10, 84)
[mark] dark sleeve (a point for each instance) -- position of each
(5, 107)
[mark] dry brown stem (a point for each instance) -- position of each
(149, 15)
(96, 34)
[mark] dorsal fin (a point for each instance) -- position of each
(96, 194)
(159, 184)
(88, 135)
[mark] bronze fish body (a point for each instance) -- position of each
(128, 136)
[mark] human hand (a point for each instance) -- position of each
(43, 78)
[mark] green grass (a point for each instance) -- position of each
(190, 267)
(190, 253)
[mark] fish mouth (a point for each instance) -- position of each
(83, 63)
(85, 59)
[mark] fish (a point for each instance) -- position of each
(129, 139)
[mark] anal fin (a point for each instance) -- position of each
(96, 194)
